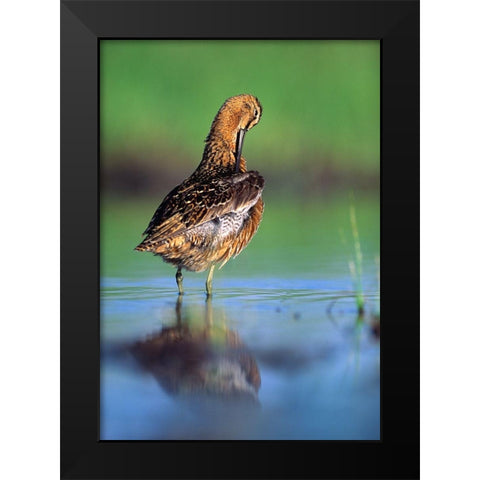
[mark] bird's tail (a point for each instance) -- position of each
(158, 246)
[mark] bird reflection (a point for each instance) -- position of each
(202, 357)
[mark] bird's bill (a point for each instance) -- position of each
(238, 153)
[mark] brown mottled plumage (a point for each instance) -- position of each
(213, 214)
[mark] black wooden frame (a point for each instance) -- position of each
(396, 24)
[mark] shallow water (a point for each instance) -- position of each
(279, 352)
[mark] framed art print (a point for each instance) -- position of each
(240, 239)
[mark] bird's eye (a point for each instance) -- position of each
(255, 113)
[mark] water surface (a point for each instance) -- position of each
(279, 352)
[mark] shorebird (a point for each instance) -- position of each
(213, 214)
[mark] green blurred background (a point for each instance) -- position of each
(320, 130)
(318, 141)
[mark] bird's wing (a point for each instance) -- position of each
(166, 210)
(189, 206)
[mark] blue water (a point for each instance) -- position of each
(266, 358)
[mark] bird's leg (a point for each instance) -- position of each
(209, 281)
(179, 279)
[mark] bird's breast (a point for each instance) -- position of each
(231, 223)
(220, 228)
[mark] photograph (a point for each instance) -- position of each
(239, 239)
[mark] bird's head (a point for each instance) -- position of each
(236, 116)
(244, 111)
